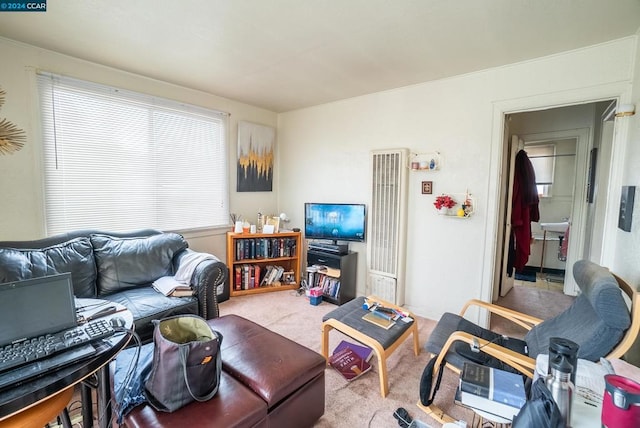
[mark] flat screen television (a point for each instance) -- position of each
(335, 222)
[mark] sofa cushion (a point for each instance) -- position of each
(134, 262)
(74, 256)
(146, 304)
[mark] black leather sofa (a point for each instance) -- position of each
(121, 267)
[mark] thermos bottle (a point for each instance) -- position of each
(561, 387)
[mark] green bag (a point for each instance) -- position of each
(186, 362)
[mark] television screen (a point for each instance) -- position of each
(338, 222)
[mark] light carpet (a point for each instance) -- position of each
(357, 403)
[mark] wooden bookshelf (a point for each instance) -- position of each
(251, 254)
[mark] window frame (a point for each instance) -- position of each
(544, 150)
(207, 126)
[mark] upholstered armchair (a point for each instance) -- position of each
(603, 320)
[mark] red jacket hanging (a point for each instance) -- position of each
(524, 208)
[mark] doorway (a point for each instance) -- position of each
(568, 205)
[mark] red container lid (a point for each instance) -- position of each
(624, 391)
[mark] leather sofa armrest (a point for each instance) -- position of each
(206, 278)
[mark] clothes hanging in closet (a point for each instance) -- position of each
(524, 210)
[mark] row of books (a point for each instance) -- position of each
(494, 391)
(264, 248)
(248, 276)
(326, 278)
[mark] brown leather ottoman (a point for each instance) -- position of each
(267, 381)
(287, 376)
(233, 406)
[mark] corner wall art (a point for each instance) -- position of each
(255, 157)
(12, 138)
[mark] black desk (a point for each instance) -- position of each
(30, 393)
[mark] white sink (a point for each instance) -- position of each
(555, 227)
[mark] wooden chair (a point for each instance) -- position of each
(43, 412)
(588, 276)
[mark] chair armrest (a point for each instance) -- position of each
(523, 320)
(522, 363)
(207, 276)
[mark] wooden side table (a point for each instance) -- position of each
(348, 320)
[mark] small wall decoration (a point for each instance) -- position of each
(12, 138)
(255, 157)
(427, 187)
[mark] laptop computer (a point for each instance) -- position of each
(32, 308)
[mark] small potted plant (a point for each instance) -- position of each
(444, 203)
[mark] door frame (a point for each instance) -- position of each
(620, 92)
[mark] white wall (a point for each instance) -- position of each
(20, 177)
(627, 244)
(325, 153)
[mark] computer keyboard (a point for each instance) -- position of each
(24, 352)
(18, 375)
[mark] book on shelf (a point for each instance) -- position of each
(363, 351)
(492, 390)
(168, 284)
(378, 320)
(349, 364)
(272, 275)
(264, 248)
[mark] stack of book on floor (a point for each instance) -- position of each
(493, 391)
(351, 360)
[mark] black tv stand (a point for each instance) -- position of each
(346, 266)
(330, 247)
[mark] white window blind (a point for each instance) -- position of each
(118, 160)
(543, 159)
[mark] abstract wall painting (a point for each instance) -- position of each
(255, 157)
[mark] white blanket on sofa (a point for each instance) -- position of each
(188, 264)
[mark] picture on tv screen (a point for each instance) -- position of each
(337, 222)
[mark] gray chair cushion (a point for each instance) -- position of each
(461, 352)
(601, 288)
(351, 314)
(134, 262)
(444, 328)
(75, 256)
(580, 324)
(596, 320)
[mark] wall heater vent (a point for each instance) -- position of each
(386, 245)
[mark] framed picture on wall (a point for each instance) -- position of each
(255, 157)
(427, 187)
